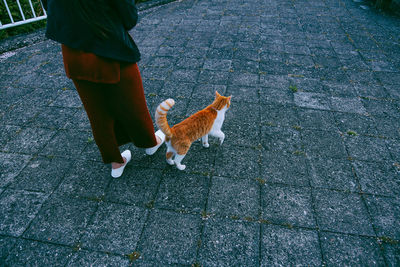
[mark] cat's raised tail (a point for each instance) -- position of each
(161, 116)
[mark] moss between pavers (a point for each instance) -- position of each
(133, 256)
(293, 88)
(387, 240)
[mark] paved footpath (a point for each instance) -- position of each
(309, 173)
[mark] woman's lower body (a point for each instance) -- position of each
(113, 97)
(117, 113)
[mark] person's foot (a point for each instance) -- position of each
(160, 136)
(159, 141)
(118, 168)
(116, 165)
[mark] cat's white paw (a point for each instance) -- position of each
(170, 162)
(181, 167)
(206, 145)
(221, 137)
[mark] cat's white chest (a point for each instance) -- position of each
(219, 120)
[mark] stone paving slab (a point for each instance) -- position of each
(170, 245)
(229, 242)
(19, 208)
(37, 253)
(282, 246)
(60, 221)
(345, 249)
(308, 173)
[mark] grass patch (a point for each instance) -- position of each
(77, 247)
(94, 198)
(263, 221)
(235, 217)
(268, 123)
(133, 256)
(296, 75)
(299, 153)
(293, 88)
(258, 147)
(150, 204)
(388, 240)
(205, 215)
(14, 10)
(260, 180)
(21, 29)
(249, 219)
(288, 225)
(352, 133)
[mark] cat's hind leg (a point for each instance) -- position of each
(178, 159)
(220, 135)
(170, 154)
(204, 141)
(181, 152)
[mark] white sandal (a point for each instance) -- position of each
(152, 150)
(118, 171)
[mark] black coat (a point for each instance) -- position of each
(67, 27)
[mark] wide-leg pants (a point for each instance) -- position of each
(117, 112)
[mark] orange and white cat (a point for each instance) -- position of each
(180, 137)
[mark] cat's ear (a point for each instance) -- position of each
(217, 94)
(230, 97)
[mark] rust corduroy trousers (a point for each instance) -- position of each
(113, 97)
